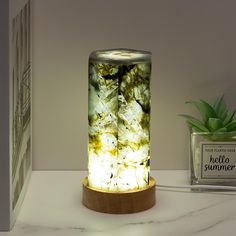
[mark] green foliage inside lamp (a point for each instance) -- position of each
(216, 124)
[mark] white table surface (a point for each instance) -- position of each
(53, 207)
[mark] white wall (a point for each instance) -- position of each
(194, 56)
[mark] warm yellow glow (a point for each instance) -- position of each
(119, 117)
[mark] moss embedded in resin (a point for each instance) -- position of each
(119, 118)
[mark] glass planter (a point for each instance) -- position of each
(213, 158)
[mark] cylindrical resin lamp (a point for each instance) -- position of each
(119, 132)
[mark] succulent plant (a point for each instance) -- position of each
(216, 121)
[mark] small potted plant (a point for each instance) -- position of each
(213, 143)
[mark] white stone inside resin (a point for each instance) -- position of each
(119, 147)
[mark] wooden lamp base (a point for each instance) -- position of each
(119, 202)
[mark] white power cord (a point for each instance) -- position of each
(212, 187)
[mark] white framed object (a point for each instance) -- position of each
(16, 111)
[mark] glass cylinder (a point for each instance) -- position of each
(119, 119)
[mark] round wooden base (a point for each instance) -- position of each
(119, 202)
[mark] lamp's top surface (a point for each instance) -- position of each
(120, 56)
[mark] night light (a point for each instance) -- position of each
(119, 132)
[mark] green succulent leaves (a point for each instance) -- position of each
(215, 119)
(196, 124)
(205, 109)
(214, 124)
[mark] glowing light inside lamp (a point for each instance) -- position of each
(119, 118)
